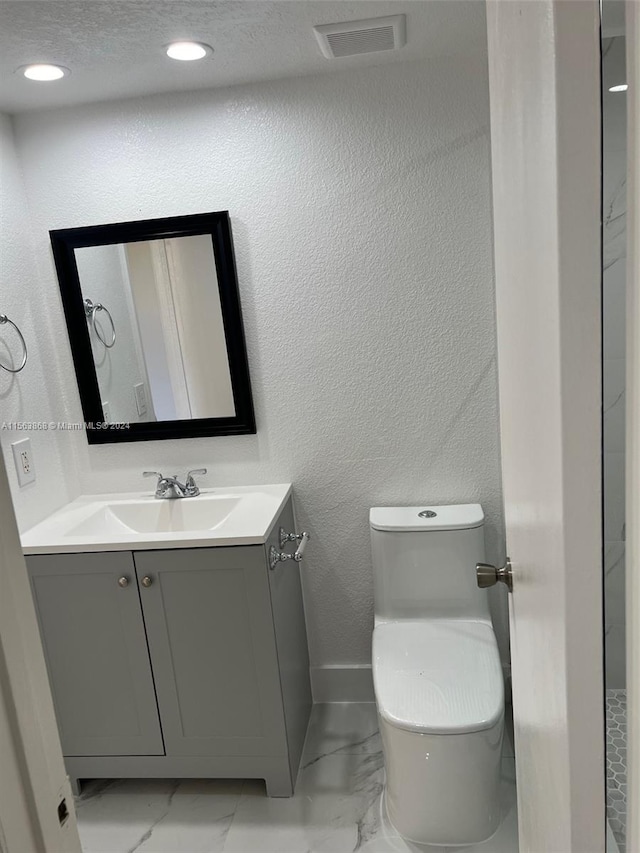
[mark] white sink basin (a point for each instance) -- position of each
(240, 516)
(206, 512)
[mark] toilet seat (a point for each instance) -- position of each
(438, 676)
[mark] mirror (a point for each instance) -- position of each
(154, 322)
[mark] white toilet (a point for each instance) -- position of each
(437, 674)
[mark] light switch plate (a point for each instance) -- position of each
(23, 458)
(141, 398)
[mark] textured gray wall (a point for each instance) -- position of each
(361, 214)
(34, 393)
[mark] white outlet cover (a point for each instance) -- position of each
(23, 458)
(106, 411)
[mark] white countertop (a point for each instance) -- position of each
(94, 522)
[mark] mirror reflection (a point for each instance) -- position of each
(156, 329)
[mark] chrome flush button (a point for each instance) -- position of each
(427, 513)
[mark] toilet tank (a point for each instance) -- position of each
(424, 562)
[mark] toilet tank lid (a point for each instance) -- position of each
(426, 518)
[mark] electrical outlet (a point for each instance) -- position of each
(106, 411)
(141, 398)
(23, 458)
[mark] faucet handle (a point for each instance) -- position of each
(191, 488)
(160, 482)
(196, 471)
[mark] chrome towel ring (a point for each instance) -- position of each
(25, 354)
(90, 309)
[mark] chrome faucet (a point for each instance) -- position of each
(171, 488)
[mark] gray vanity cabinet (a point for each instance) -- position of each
(188, 662)
(94, 641)
(211, 644)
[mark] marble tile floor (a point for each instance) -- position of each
(337, 807)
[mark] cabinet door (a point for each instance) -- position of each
(210, 631)
(96, 652)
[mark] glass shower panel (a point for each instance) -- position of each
(614, 279)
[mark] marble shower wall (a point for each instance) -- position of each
(614, 218)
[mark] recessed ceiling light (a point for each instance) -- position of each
(44, 72)
(187, 51)
(621, 88)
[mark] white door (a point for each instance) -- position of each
(633, 428)
(36, 804)
(544, 67)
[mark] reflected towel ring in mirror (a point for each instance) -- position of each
(4, 319)
(90, 309)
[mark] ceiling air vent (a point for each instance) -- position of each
(355, 37)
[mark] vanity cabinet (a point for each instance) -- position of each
(185, 662)
(95, 646)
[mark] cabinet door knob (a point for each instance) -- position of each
(123, 582)
(146, 581)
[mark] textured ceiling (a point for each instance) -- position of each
(114, 48)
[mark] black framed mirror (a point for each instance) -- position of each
(155, 325)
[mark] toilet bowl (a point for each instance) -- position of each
(437, 675)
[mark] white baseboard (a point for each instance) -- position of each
(342, 683)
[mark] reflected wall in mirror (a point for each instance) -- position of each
(162, 297)
(154, 321)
